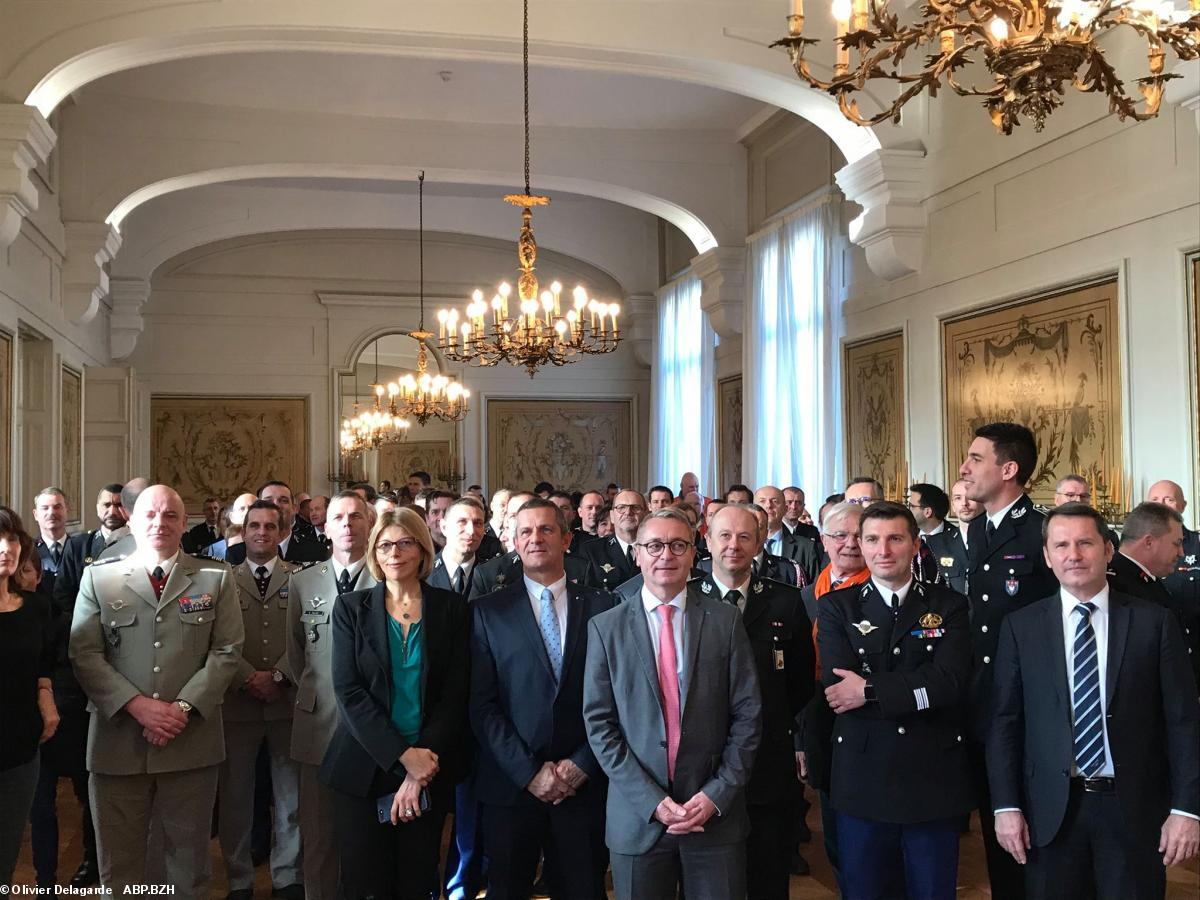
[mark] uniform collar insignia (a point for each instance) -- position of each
(117, 604)
(758, 587)
(324, 569)
(1190, 559)
(515, 557)
(606, 567)
(437, 562)
(316, 601)
(1018, 512)
(865, 627)
(706, 586)
(866, 589)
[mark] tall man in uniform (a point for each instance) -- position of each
(1006, 571)
(258, 708)
(536, 775)
(949, 545)
(896, 663)
(50, 511)
(311, 598)
(155, 642)
(673, 714)
(613, 557)
(462, 531)
(1184, 582)
(780, 636)
(294, 546)
(1092, 750)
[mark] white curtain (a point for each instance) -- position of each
(682, 408)
(791, 360)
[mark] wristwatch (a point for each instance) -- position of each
(869, 692)
(184, 705)
(278, 677)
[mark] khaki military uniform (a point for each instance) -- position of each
(310, 659)
(126, 643)
(250, 721)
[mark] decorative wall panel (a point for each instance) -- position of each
(576, 445)
(224, 446)
(397, 460)
(875, 411)
(729, 433)
(6, 418)
(71, 403)
(1051, 363)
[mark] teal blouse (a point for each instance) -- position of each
(406, 677)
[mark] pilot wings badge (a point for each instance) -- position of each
(865, 627)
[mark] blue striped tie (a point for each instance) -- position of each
(1085, 703)
(551, 636)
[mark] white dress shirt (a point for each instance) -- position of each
(997, 517)
(149, 563)
(886, 592)
(1070, 620)
(467, 565)
(269, 565)
(940, 528)
(624, 546)
(354, 568)
(559, 591)
(724, 588)
(654, 621)
(115, 535)
(774, 544)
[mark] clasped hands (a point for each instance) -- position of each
(554, 782)
(262, 686)
(687, 817)
(161, 721)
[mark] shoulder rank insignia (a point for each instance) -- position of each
(758, 587)
(1190, 559)
(931, 620)
(866, 589)
(324, 569)
(706, 586)
(865, 627)
(1017, 513)
(606, 567)
(107, 560)
(87, 560)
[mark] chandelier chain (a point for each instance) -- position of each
(525, 80)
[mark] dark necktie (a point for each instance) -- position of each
(157, 580)
(1085, 698)
(629, 556)
(457, 583)
(56, 554)
(263, 577)
(345, 583)
(734, 597)
(895, 607)
(989, 534)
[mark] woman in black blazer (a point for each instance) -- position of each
(400, 675)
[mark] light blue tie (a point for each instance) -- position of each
(1085, 701)
(551, 636)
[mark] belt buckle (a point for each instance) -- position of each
(1098, 785)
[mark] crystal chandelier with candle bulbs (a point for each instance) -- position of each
(370, 429)
(542, 330)
(1033, 49)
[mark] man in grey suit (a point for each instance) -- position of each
(155, 642)
(258, 708)
(310, 659)
(673, 713)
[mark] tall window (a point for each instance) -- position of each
(790, 354)
(682, 409)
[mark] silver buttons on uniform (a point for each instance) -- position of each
(158, 618)
(839, 739)
(983, 628)
(158, 645)
(986, 566)
(986, 660)
(985, 598)
(900, 730)
(929, 647)
(157, 669)
(154, 696)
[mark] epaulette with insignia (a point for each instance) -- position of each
(108, 559)
(300, 567)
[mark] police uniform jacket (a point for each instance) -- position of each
(1184, 586)
(612, 566)
(505, 570)
(781, 640)
(49, 568)
(950, 552)
(184, 646)
(903, 757)
(200, 536)
(1128, 577)
(489, 547)
(1003, 576)
(312, 595)
(265, 622)
(302, 548)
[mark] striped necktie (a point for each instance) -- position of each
(1086, 708)
(551, 635)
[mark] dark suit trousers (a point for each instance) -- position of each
(1094, 856)
(389, 861)
(571, 835)
(1005, 873)
(874, 853)
(704, 871)
(768, 851)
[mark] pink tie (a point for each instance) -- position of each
(668, 685)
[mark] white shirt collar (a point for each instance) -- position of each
(624, 546)
(354, 568)
(941, 527)
(1070, 601)
(115, 535)
(1139, 565)
(269, 564)
(724, 588)
(149, 563)
(651, 603)
(997, 517)
(534, 588)
(886, 592)
(467, 564)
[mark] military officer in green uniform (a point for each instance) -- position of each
(309, 639)
(258, 708)
(155, 642)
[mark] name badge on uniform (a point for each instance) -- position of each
(778, 660)
(1010, 586)
(203, 603)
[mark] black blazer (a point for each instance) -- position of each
(802, 550)
(780, 635)
(902, 758)
(199, 536)
(612, 567)
(366, 744)
(1151, 713)
(951, 554)
(520, 717)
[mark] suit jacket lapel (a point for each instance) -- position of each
(1052, 633)
(375, 626)
(278, 579)
(137, 581)
(915, 605)
(693, 619)
(635, 615)
(574, 626)
(529, 626)
(244, 578)
(756, 606)
(1118, 633)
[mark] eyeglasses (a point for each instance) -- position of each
(840, 537)
(861, 501)
(626, 508)
(915, 505)
(385, 548)
(655, 548)
(1075, 496)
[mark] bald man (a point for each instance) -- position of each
(237, 516)
(155, 641)
(1184, 581)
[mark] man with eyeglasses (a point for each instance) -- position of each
(1074, 489)
(863, 491)
(612, 558)
(780, 636)
(677, 746)
(536, 775)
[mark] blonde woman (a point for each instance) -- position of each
(400, 675)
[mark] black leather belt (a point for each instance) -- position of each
(1096, 785)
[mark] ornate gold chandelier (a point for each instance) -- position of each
(540, 334)
(370, 429)
(1034, 50)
